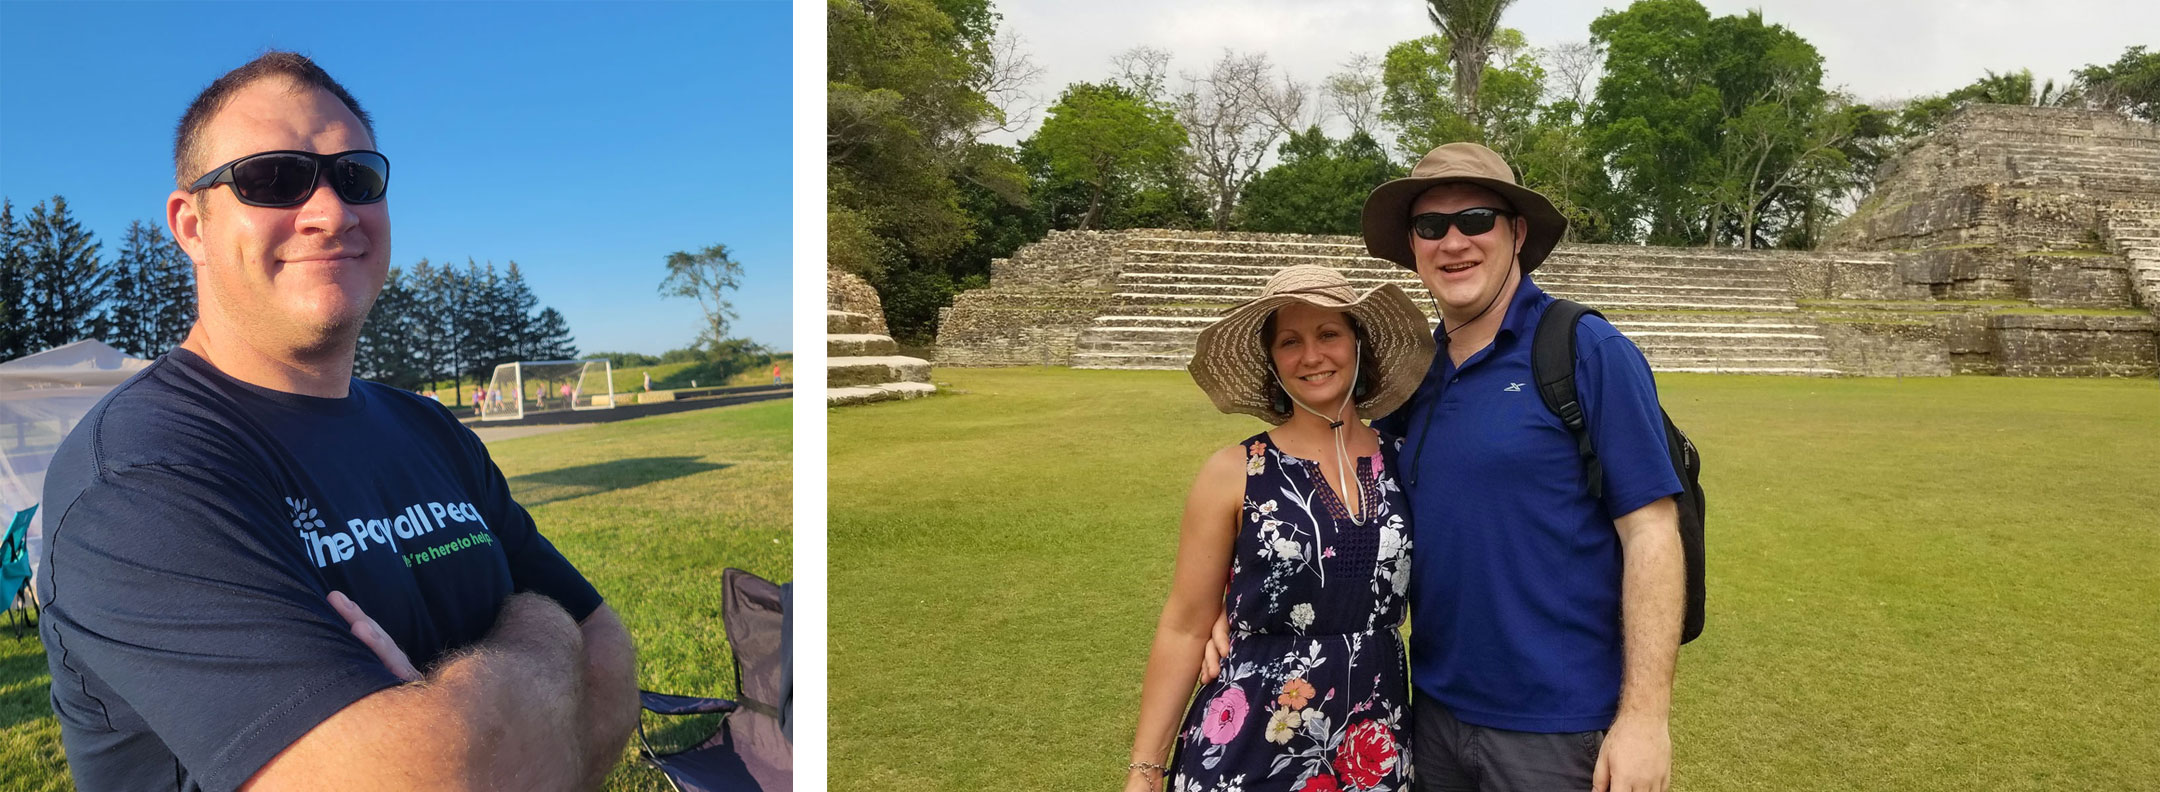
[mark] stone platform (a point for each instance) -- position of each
(2017, 241)
(862, 362)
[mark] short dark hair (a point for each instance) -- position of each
(188, 141)
(1368, 374)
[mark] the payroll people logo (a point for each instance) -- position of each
(326, 546)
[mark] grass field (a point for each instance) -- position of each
(650, 510)
(1926, 584)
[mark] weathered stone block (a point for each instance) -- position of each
(2080, 281)
(1894, 346)
(849, 292)
(1036, 327)
(2057, 345)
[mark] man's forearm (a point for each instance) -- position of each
(504, 713)
(528, 675)
(610, 696)
(1652, 593)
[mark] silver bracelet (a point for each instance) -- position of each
(1159, 769)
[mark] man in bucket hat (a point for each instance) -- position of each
(1545, 622)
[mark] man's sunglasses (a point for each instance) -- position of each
(1472, 222)
(288, 178)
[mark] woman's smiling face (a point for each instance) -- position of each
(1315, 353)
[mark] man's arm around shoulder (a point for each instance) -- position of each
(542, 703)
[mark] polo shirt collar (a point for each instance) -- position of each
(1521, 313)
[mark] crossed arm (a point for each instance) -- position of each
(542, 703)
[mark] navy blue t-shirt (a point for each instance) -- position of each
(1515, 596)
(197, 524)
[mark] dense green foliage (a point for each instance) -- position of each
(1669, 125)
(1918, 585)
(2130, 85)
(904, 105)
(1106, 140)
(1320, 186)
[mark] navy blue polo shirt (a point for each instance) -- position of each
(1515, 591)
(197, 524)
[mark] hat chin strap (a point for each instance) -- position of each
(1335, 425)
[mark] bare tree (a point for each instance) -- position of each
(1469, 26)
(1288, 106)
(1006, 84)
(1233, 114)
(1354, 93)
(1572, 71)
(1143, 70)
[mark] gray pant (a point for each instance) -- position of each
(1453, 756)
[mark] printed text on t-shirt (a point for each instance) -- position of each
(419, 519)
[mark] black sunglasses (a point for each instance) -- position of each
(288, 178)
(1472, 222)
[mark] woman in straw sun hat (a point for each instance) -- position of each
(1305, 524)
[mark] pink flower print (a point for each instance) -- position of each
(1256, 449)
(1328, 553)
(1225, 716)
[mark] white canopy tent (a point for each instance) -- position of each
(42, 397)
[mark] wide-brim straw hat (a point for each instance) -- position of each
(1387, 209)
(1231, 361)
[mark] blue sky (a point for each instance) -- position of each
(584, 141)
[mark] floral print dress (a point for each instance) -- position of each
(1314, 696)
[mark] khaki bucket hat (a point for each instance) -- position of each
(1387, 209)
(1230, 362)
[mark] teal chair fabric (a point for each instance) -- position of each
(15, 562)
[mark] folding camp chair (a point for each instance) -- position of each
(752, 750)
(15, 567)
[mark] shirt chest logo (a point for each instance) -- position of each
(412, 525)
(1513, 387)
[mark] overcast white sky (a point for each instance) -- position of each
(1877, 49)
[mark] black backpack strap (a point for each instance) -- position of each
(1552, 364)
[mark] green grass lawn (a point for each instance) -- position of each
(650, 510)
(1926, 584)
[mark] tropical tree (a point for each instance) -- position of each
(1415, 104)
(1106, 137)
(1469, 26)
(2130, 85)
(1318, 187)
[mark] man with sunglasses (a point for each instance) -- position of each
(266, 574)
(1544, 622)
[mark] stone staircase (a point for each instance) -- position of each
(862, 363)
(1690, 310)
(2134, 233)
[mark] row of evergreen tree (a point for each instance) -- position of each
(430, 323)
(55, 286)
(438, 322)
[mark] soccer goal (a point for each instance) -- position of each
(530, 386)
